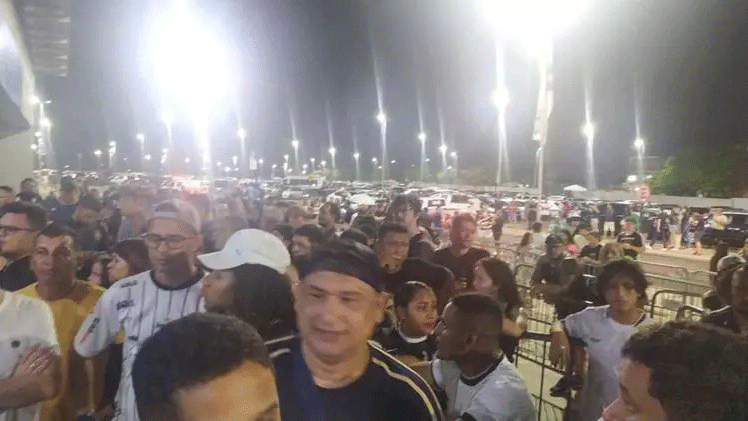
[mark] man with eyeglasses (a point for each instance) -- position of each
(141, 304)
(20, 224)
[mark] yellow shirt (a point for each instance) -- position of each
(68, 314)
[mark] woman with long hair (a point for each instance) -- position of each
(129, 257)
(247, 280)
(494, 277)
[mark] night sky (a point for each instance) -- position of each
(686, 59)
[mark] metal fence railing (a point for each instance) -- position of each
(668, 304)
(532, 359)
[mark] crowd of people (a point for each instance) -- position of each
(139, 304)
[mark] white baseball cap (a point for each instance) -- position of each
(249, 246)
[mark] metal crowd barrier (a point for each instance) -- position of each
(688, 312)
(532, 360)
(669, 304)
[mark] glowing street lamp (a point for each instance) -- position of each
(295, 144)
(187, 160)
(356, 156)
(500, 99)
(147, 157)
(312, 159)
(285, 165)
(588, 130)
(45, 123)
(97, 153)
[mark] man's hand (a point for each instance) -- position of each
(34, 361)
(559, 353)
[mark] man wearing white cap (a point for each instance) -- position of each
(141, 304)
(246, 280)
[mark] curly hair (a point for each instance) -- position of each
(698, 372)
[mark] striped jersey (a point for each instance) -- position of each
(137, 306)
(387, 390)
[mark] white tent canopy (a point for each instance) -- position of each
(575, 188)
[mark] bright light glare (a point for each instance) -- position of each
(164, 151)
(332, 151)
(534, 22)
(45, 122)
(295, 143)
(639, 143)
(192, 62)
(112, 144)
(374, 160)
(381, 117)
(588, 129)
(500, 97)
(35, 100)
(443, 149)
(187, 160)
(422, 137)
(97, 152)
(140, 137)
(34, 147)
(356, 156)
(453, 154)
(242, 133)
(631, 178)
(148, 157)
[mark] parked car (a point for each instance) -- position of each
(735, 232)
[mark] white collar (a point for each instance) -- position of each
(409, 339)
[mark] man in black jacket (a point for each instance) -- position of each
(20, 223)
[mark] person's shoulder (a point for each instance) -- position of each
(396, 371)
(25, 301)
(124, 285)
(597, 313)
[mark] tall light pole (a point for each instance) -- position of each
(443, 150)
(312, 160)
(168, 120)
(373, 168)
(639, 145)
(588, 130)
(141, 142)
(382, 119)
(455, 158)
(422, 139)
(273, 167)
(285, 165)
(501, 101)
(112, 153)
(356, 156)
(260, 162)
(241, 132)
(97, 153)
(332, 151)
(295, 144)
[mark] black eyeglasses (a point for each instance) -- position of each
(172, 241)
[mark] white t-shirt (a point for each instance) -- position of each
(138, 307)
(604, 339)
(25, 322)
(500, 394)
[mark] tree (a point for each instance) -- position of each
(716, 172)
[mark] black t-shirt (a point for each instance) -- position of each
(17, 275)
(430, 274)
(462, 267)
(386, 391)
(548, 270)
(393, 342)
(635, 239)
(593, 252)
(421, 247)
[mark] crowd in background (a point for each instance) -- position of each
(136, 303)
